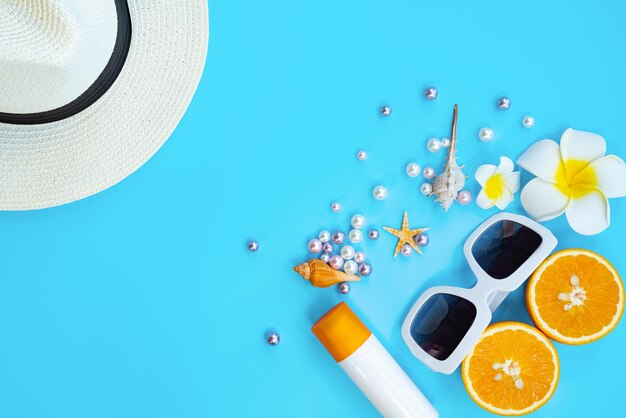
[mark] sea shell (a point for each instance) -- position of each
(451, 181)
(321, 274)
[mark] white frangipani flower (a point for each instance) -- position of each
(574, 177)
(499, 184)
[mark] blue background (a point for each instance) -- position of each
(142, 301)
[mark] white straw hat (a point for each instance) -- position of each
(89, 91)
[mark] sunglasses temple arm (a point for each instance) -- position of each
(495, 299)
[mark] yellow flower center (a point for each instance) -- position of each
(493, 187)
(576, 178)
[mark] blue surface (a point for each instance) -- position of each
(143, 301)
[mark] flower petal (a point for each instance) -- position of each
(543, 159)
(589, 214)
(505, 166)
(582, 146)
(484, 172)
(484, 201)
(512, 181)
(542, 200)
(504, 199)
(609, 174)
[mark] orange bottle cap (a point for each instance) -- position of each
(341, 331)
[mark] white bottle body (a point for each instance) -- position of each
(385, 384)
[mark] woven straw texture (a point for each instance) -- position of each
(52, 164)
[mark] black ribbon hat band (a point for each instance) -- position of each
(100, 86)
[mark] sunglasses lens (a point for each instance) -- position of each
(504, 247)
(441, 324)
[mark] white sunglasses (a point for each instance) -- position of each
(446, 322)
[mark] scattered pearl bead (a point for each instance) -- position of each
(426, 189)
(433, 145)
(361, 155)
(336, 262)
(445, 143)
(357, 221)
(385, 111)
(347, 252)
(504, 103)
(485, 134)
(406, 250)
(421, 240)
(253, 246)
(328, 248)
(365, 269)
(431, 93)
(428, 173)
(315, 246)
(355, 236)
(359, 257)
(325, 257)
(350, 267)
(528, 121)
(324, 236)
(380, 193)
(335, 207)
(272, 338)
(464, 197)
(339, 237)
(413, 169)
(373, 234)
(344, 288)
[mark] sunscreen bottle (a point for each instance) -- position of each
(370, 366)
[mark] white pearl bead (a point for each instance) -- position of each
(324, 236)
(431, 93)
(361, 155)
(429, 173)
(359, 257)
(464, 197)
(426, 189)
(406, 250)
(445, 143)
(433, 145)
(347, 252)
(413, 169)
(335, 262)
(355, 236)
(335, 206)
(315, 246)
(350, 267)
(325, 257)
(385, 111)
(357, 221)
(528, 121)
(485, 134)
(380, 193)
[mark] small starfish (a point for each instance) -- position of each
(405, 235)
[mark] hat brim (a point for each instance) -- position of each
(51, 164)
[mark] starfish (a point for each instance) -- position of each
(405, 235)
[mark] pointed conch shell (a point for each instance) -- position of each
(451, 181)
(321, 274)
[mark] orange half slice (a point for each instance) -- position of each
(512, 370)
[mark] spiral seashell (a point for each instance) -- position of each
(451, 181)
(321, 274)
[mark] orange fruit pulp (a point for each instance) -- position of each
(575, 296)
(512, 370)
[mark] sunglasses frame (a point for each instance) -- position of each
(486, 295)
